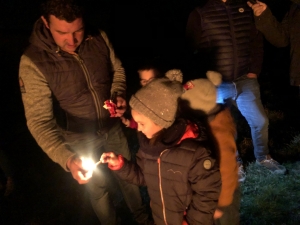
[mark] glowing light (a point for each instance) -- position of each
(88, 164)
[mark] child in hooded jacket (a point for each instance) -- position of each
(176, 159)
(198, 100)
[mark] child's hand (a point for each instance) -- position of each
(218, 214)
(125, 121)
(113, 161)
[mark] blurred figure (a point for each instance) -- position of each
(66, 74)
(199, 101)
(281, 34)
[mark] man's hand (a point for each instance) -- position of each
(252, 75)
(74, 164)
(113, 161)
(121, 106)
(257, 8)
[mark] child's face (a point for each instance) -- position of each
(146, 76)
(145, 125)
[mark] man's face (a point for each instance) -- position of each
(146, 76)
(68, 36)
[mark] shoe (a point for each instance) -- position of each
(272, 165)
(241, 173)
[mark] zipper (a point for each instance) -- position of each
(160, 187)
(91, 88)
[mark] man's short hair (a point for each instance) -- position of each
(68, 10)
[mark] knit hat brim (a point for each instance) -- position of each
(140, 107)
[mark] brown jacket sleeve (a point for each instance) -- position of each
(276, 33)
(224, 130)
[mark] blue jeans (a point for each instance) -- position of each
(102, 184)
(245, 93)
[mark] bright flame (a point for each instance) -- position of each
(88, 164)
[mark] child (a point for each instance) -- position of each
(175, 160)
(200, 99)
(147, 72)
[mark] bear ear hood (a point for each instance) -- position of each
(201, 94)
(214, 77)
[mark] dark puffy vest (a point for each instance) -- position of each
(226, 30)
(79, 83)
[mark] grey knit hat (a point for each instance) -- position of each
(201, 94)
(158, 100)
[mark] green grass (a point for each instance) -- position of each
(271, 199)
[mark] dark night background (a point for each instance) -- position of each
(44, 193)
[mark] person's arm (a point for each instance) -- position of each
(224, 130)
(119, 78)
(205, 181)
(276, 33)
(126, 170)
(118, 86)
(37, 101)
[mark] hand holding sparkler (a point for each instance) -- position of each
(114, 162)
(81, 168)
(79, 173)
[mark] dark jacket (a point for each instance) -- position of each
(282, 34)
(180, 176)
(226, 39)
(58, 86)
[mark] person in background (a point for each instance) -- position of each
(176, 160)
(147, 72)
(66, 74)
(224, 34)
(281, 34)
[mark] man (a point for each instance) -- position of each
(281, 34)
(225, 37)
(66, 74)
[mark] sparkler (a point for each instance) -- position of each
(89, 164)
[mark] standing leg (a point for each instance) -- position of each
(100, 197)
(249, 103)
(98, 187)
(117, 142)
